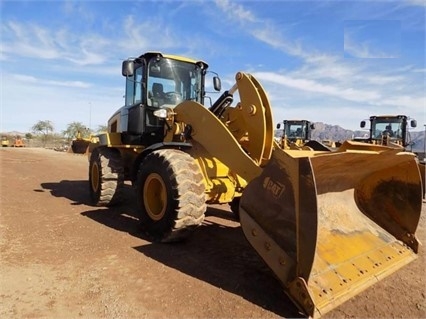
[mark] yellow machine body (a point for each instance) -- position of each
(297, 144)
(328, 224)
(327, 231)
(221, 184)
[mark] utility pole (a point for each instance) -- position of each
(90, 116)
(424, 145)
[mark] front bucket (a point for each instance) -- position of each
(331, 224)
(79, 146)
(423, 174)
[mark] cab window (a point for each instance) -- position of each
(134, 87)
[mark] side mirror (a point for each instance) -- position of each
(362, 125)
(278, 126)
(128, 68)
(217, 83)
(312, 126)
(413, 123)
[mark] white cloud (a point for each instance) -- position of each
(269, 35)
(317, 79)
(236, 11)
(365, 49)
(327, 80)
(349, 94)
(34, 41)
(28, 40)
(137, 39)
(260, 28)
(372, 38)
(78, 9)
(412, 103)
(62, 102)
(419, 70)
(25, 79)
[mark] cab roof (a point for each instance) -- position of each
(148, 55)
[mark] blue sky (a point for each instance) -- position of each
(336, 62)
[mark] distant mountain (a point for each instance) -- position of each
(13, 133)
(335, 133)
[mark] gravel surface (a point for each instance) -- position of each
(62, 258)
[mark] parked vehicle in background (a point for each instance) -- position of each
(393, 130)
(297, 136)
(4, 141)
(389, 130)
(18, 142)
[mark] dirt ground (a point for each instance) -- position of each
(62, 258)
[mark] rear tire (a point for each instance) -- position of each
(170, 195)
(106, 177)
(235, 207)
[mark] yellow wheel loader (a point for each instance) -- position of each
(326, 231)
(4, 141)
(80, 144)
(392, 131)
(296, 135)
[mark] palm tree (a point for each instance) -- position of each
(74, 128)
(102, 128)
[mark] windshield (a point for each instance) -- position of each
(170, 82)
(295, 130)
(391, 127)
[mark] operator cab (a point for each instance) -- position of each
(297, 130)
(388, 127)
(155, 81)
(392, 128)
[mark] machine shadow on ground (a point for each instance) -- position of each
(215, 253)
(221, 256)
(76, 191)
(122, 218)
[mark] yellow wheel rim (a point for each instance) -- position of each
(155, 196)
(94, 172)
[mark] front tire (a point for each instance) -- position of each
(106, 177)
(170, 195)
(235, 207)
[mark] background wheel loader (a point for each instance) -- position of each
(4, 141)
(297, 136)
(18, 142)
(80, 144)
(393, 131)
(295, 133)
(326, 232)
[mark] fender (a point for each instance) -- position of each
(140, 157)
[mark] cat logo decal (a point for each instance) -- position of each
(276, 188)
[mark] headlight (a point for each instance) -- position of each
(161, 113)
